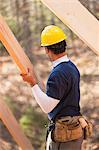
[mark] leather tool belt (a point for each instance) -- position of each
(87, 127)
(70, 128)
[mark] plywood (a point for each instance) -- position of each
(78, 19)
(13, 47)
(11, 124)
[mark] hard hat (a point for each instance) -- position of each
(52, 35)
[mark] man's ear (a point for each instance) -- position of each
(47, 50)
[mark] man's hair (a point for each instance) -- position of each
(58, 48)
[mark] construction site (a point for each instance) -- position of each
(23, 124)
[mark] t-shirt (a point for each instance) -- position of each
(63, 84)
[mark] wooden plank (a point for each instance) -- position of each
(13, 47)
(11, 124)
(78, 19)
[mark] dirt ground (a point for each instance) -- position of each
(11, 85)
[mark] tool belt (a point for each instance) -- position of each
(87, 127)
(71, 128)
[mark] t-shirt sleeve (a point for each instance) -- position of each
(56, 85)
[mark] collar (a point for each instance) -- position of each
(60, 60)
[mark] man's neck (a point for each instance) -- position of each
(61, 59)
(55, 57)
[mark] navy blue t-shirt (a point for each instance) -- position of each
(63, 84)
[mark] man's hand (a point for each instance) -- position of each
(30, 77)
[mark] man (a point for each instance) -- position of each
(62, 91)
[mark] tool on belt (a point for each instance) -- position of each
(70, 128)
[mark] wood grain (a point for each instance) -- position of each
(13, 127)
(13, 47)
(73, 14)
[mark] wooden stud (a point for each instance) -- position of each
(78, 19)
(13, 47)
(13, 127)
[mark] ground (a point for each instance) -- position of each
(13, 89)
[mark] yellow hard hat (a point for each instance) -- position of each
(52, 35)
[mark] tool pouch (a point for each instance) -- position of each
(88, 130)
(67, 131)
(87, 127)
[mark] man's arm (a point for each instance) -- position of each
(46, 103)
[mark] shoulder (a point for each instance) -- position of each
(55, 74)
(58, 75)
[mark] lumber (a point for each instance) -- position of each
(73, 14)
(13, 47)
(13, 127)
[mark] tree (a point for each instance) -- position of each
(25, 25)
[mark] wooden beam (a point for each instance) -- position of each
(13, 47)
(13, 127)
(78, 19)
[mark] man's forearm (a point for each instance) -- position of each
(46, 103)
